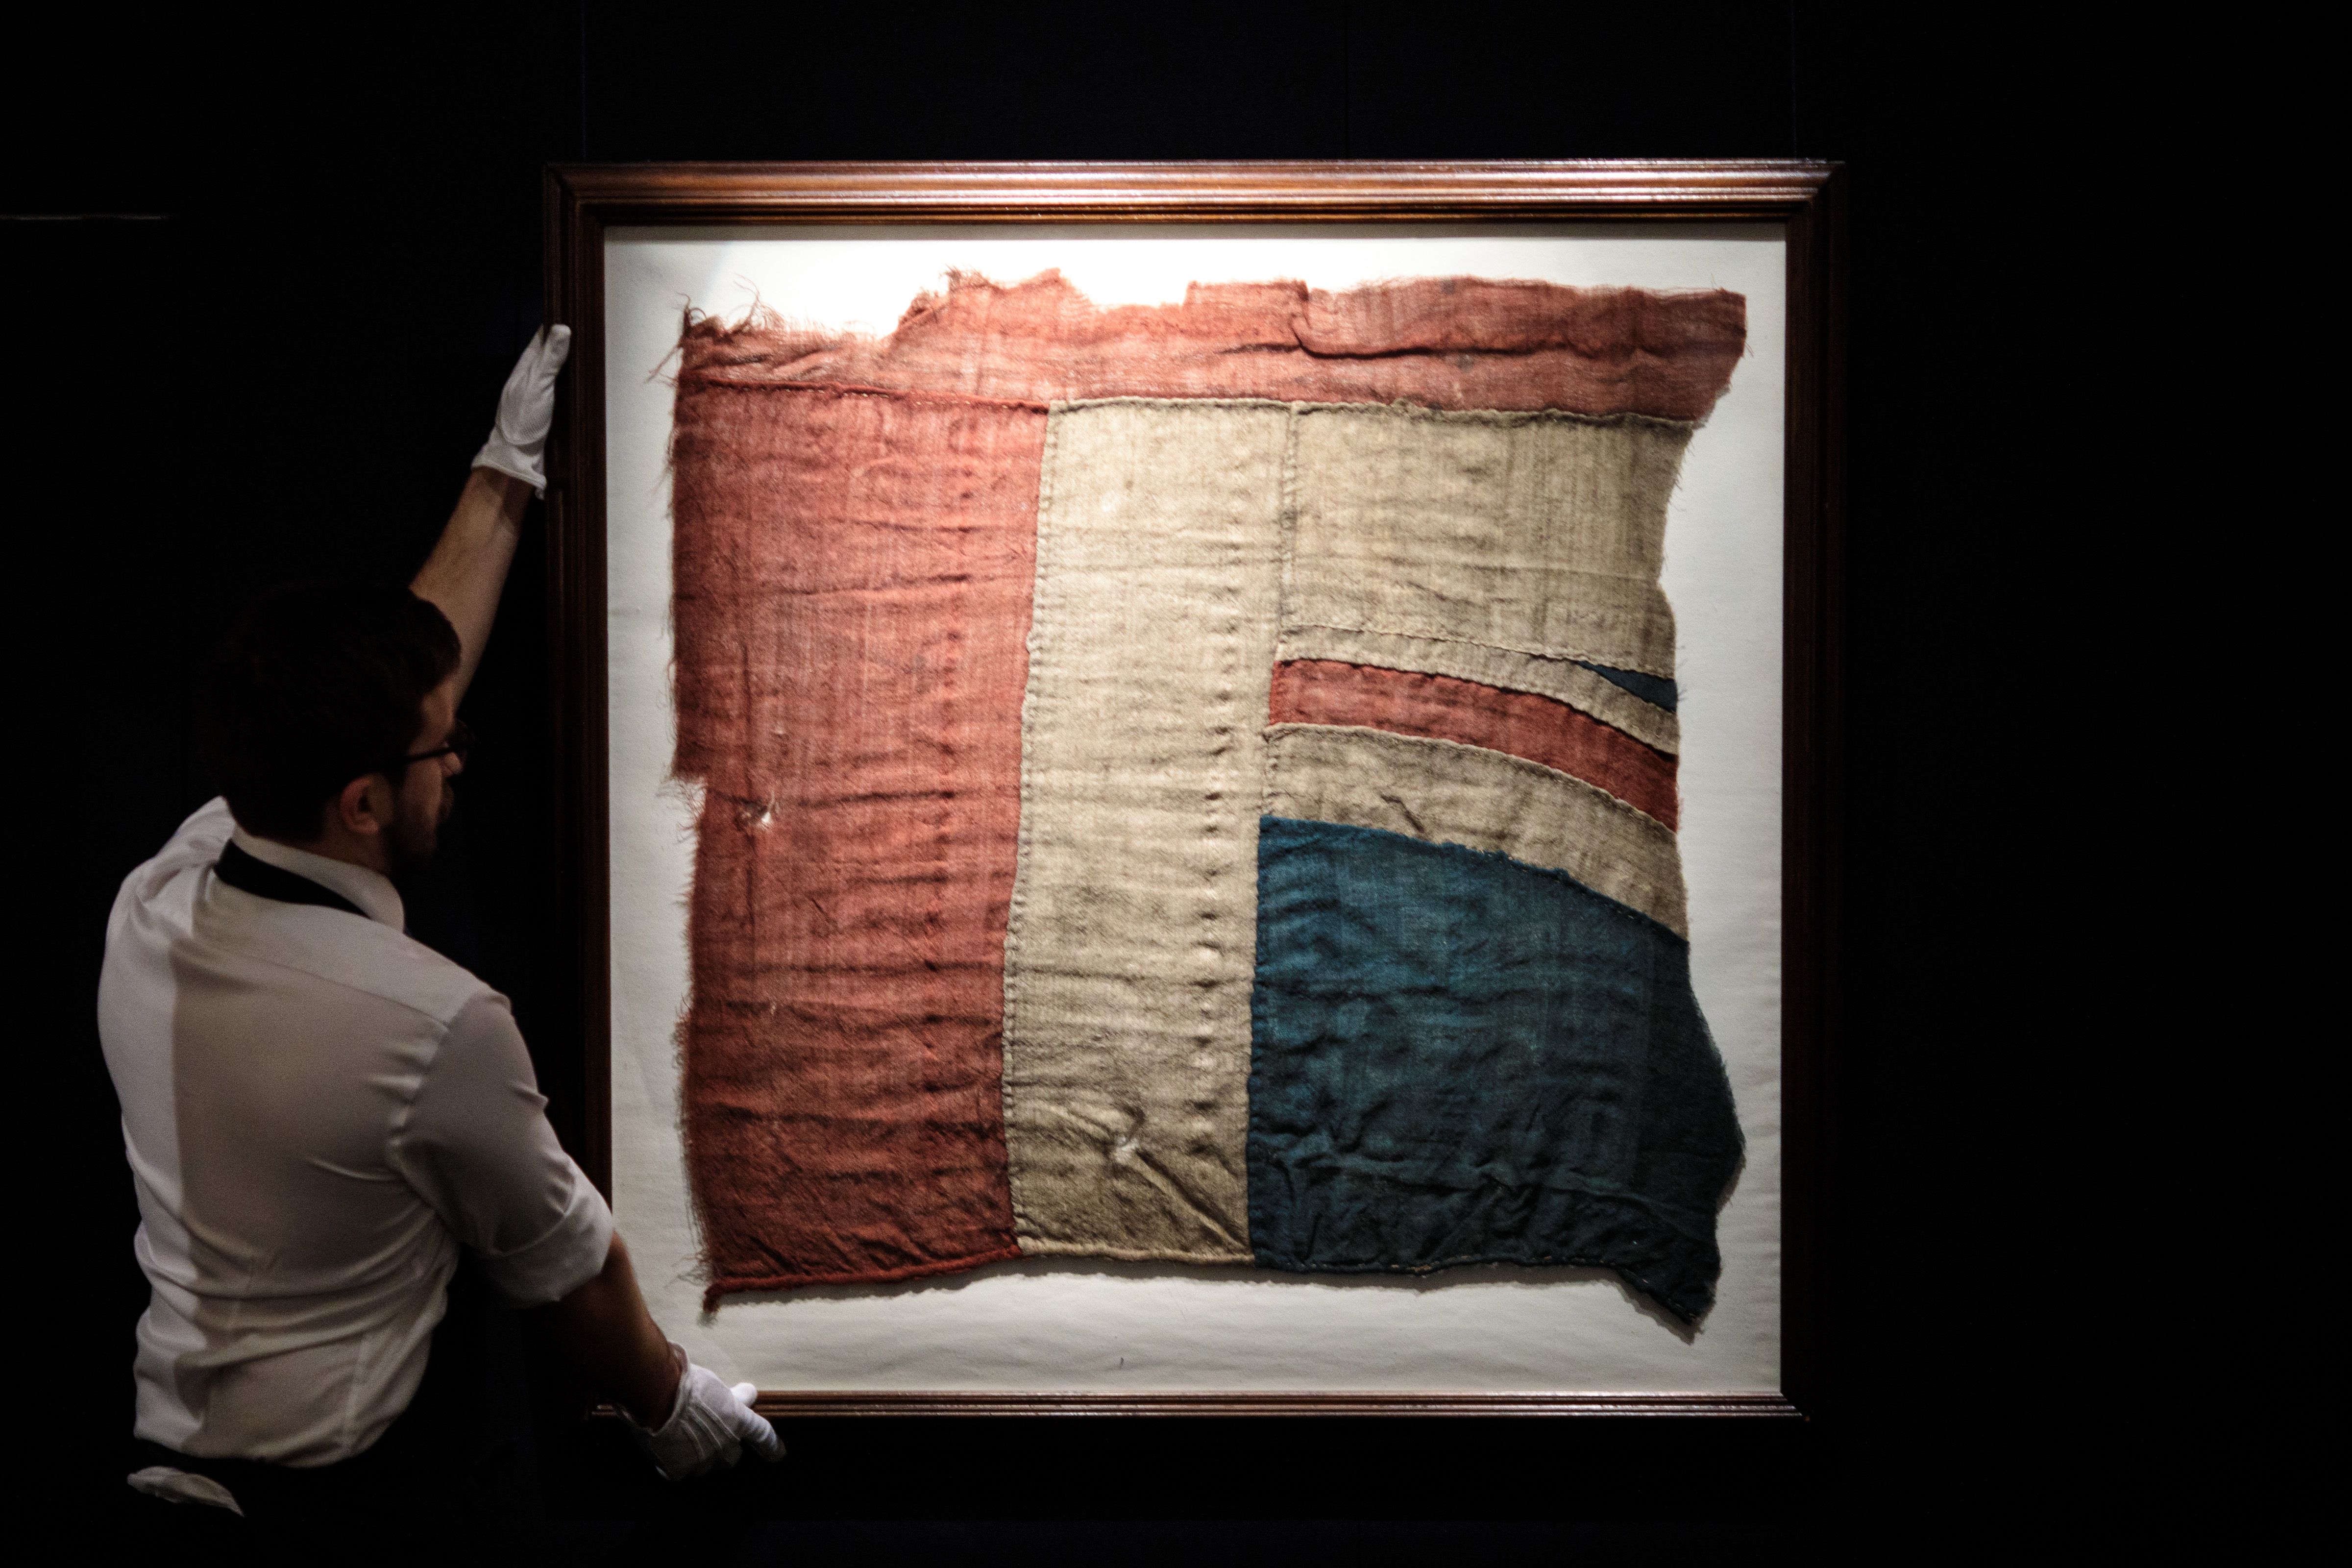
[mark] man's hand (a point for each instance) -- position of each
(518, 443)
(709, 1424)
(682, 1415)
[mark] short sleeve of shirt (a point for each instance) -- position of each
(476, 1146)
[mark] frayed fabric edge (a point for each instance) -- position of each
(1689, 1315)
(733, 1285)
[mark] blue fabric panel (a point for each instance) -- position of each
(1458, 1057)
(1655, 689)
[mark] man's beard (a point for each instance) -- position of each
(410, 843)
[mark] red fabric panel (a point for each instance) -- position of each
(852, 590)
(1438, 707)
(1446, 343)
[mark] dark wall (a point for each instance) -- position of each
(259, 302)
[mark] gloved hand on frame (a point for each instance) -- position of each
(709, 1424)
(518, 443)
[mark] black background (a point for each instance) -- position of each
(262, 291)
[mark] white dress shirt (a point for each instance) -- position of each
(318, 1112)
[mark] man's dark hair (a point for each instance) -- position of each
(316, 685)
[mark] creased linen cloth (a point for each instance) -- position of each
(1194, 783)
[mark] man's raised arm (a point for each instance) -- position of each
(468, 569)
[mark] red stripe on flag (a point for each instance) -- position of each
(854, 577)
(1443, 343)
(1440, 707)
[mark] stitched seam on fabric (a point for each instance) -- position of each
(1388, 737)
(1137, 1254)
(1286, 528)
(1033, 704)
(363, 1366)
(860, 389)
(1554, 656)
(1567, 690)
(408, 1109)
(340, 984)
(1499, 417)
(1204, 1033)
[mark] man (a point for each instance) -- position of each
(320, 1113)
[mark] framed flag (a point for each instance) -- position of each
(1206, 788)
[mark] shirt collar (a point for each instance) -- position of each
(370, 891)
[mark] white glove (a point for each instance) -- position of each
(709, 1424)
(518, 443)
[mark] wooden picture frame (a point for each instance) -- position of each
(583, 202)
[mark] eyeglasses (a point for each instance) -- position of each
(459, 741)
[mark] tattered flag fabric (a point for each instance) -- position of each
(1196, 783)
